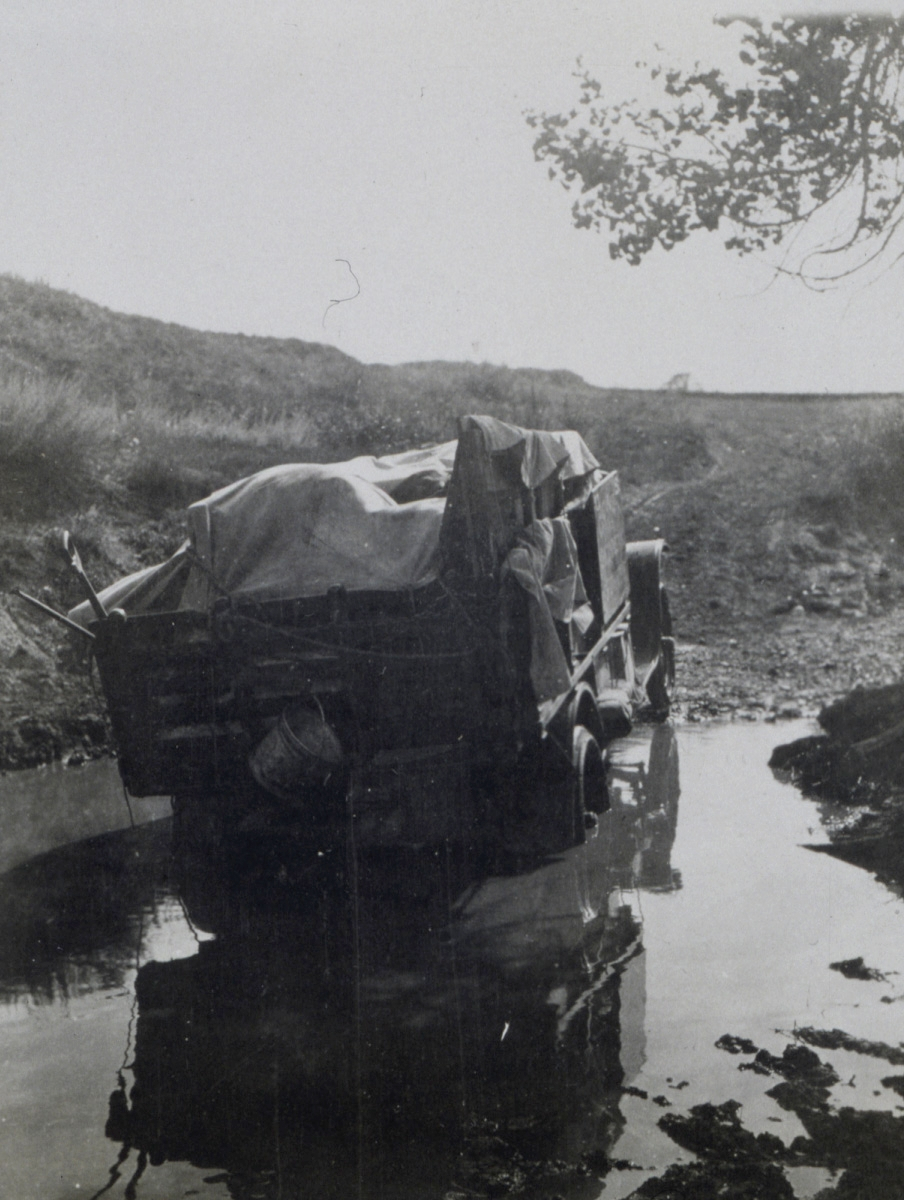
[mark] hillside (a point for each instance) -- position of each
(139, 362)
(782, 512)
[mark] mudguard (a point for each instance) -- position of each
(651, 625)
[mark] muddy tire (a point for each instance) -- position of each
(662, 679)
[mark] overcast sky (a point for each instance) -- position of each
(209, 162)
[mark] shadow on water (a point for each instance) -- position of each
(409, 1030)
(405, 1027)
(71, 918)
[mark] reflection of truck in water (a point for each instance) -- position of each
(337, 641)
(423, 1033)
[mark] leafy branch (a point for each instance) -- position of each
(816, 128)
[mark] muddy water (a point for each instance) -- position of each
(57, 805)
(406, 1028)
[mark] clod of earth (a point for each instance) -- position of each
(864, 1149)
(709, 1181)
(734, 1161)
(855, 968)
(837, 1039)
(861, 755)
(735, 1045)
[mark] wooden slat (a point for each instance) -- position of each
(610, 534)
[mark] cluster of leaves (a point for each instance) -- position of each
(818, 122)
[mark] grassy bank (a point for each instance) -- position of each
(752, 493)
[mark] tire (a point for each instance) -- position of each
(659, 691)
(662, 679)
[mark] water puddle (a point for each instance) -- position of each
(404, 1028)
(57, 805)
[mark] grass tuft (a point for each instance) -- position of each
(873, 472)
(168, 462)
(50, 432)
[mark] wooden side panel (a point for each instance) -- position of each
(187, 706)
(610, 536)
(171, 704)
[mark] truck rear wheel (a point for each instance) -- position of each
(651, 623)
(662, 678)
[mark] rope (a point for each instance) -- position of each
(196, 559)
(352, 651)
(125, 792)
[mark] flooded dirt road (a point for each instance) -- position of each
(652, 1012)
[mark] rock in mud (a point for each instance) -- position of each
(837, 1039)
(856, 968)
(863, 1149)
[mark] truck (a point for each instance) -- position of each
(427, 647)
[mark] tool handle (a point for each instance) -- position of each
(72, 557)
(52, 612)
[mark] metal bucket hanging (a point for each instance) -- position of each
(300, 752)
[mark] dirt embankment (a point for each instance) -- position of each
(855, 768)
(51, 706)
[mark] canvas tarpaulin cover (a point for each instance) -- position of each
(544, 562)
(543, 453)
(298, 530)
(370, 524)
(504, 477)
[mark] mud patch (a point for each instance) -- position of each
(855, 968)
(837, 1039)
(856, 768)
(863, 1151)
(32, 741)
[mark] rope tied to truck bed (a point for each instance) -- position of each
(295, 638)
